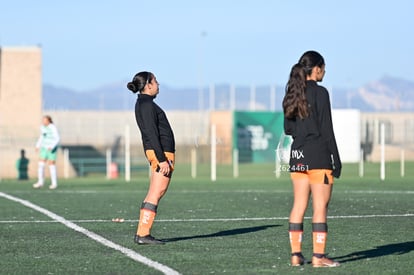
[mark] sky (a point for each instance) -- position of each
(87, 44)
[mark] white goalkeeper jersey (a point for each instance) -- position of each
(49, 137)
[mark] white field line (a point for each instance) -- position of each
(259, 191)
(399, 192)
(128, 252)
(217, 219)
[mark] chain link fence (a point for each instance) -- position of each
(89, 136)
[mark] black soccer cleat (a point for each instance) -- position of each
(147, 240)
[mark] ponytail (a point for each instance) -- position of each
(294, 102)
(49, 118)
(139, 82)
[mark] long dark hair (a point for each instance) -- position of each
(139, 81)
(294, 102)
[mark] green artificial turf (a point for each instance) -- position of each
(232, 226)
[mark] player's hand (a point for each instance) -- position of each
(337, 172)
(165, 168)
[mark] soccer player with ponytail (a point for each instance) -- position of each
(47, 146)
(159, 146)
(314, 158)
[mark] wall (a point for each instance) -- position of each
(20, 105)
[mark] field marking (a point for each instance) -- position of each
(218, 219)
(399, 192)
(248, 191)
(126, 251)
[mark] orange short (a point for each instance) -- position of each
(152, 158)
(314, 176)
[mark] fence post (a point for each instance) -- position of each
(108, 163)
(66, 163)
(193, 163)
(382, 146)
(127, 154)
(213, 153)
(235, 163)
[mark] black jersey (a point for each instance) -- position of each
(314, 145)
(155, 129)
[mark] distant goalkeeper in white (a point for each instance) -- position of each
(47, 146)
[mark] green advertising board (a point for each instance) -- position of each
(256, 135)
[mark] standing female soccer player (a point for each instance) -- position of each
(314, 158)
(47, 145)
(159, 146)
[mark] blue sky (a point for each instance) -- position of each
(86, 44)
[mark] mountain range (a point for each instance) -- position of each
(388, 94)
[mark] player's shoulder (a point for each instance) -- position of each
(51, 128)
(322, 92)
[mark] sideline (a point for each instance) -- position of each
(247, 191)
(219, 219)
(126, 251)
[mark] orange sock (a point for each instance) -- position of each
(146, 219)
(320, 232)
(295, 237)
